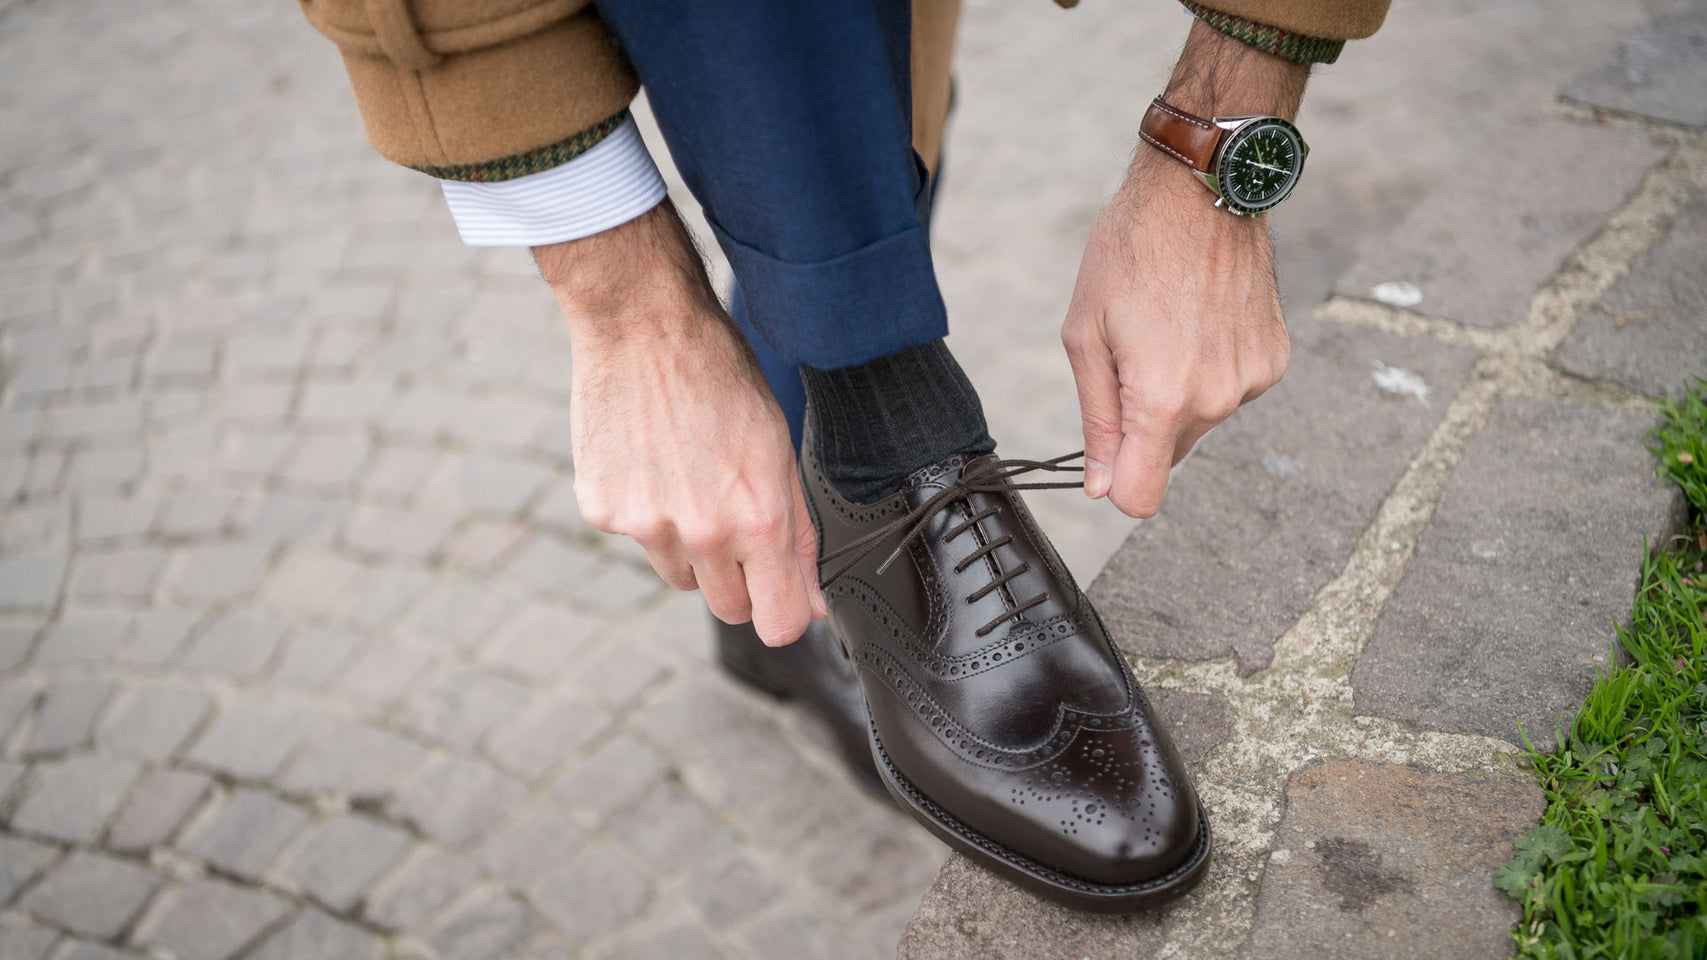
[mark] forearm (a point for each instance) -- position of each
(642, 279)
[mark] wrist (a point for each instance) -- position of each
(1162, 194)
(640, 280)
(1218, 75)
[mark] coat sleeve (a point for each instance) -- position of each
(1303, 31)
(479, 90)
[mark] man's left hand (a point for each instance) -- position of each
(1175, 322)
(1175, 319)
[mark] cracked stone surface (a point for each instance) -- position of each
(1482, 269)
(1657, 70)
(305, 650)
(970, 912)
(1509, 607)
(1647, 332)
(1384, 861)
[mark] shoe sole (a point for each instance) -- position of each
(1047, 882)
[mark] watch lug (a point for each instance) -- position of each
(1230, 124)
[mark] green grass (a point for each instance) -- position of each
(1618, 866)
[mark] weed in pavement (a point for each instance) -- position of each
(1618, 866)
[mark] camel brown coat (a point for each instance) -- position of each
(494, 89)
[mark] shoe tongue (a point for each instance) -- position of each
(1031, 550)
(1080, 672)
(927, 481)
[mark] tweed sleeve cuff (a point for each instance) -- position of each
(603, 187)
(533, 161)
(1282, 43)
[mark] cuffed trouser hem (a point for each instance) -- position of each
(837, 313)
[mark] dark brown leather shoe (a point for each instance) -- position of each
(814, 671)
(1001, 715)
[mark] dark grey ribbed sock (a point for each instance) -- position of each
(877, 422)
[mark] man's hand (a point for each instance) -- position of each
(678, 442)
(1175, 319)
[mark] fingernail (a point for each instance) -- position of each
(1096, 479)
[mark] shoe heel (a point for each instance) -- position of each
(737, 656)
(749, 678)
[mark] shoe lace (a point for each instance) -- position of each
(986, 476)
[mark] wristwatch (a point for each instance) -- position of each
(1251, 163)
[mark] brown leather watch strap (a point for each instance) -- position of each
(1191, 140)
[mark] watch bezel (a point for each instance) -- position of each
(1234, 127)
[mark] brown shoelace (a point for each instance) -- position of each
(989, 476)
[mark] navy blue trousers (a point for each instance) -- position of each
(792, 124)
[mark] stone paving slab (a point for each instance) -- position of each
(1268, 507)
(1391, 122)
(91, 894)
(20, 862)
(210, 920)
(1384, 861)
(25, 942)
(314, 935)
(1658, 70)
(1507, 610)
(1480, 268)
(970, 912)
(1649, 332)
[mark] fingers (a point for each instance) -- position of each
(1098, 383)
(1141, 472)
(806, 551)
(781, 597)
(675, 571)
(781, 608)
(724, 584)
(750, 566)
(753, 554)
(757, 575)
(1149, 429)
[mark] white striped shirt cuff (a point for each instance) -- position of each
(607, 186)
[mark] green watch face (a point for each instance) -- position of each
(1260, 165)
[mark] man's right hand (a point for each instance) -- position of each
(677, 440)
